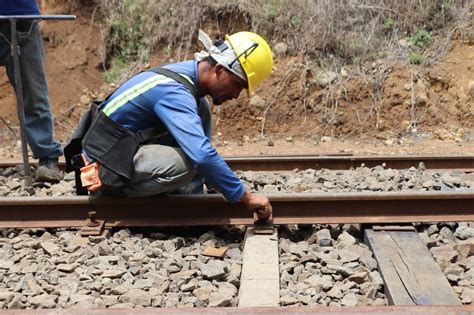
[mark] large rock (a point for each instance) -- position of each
(113, 273)
(324, 78)
(50, 248)
(6, 296)
(348, 256)
(104, 249)
(44, 301)
(183, 275)
(370, 289)
(346, 239)
(464, 232)
(227, 288)
(324, 237)
(448, 234)
(444, 253)
(137, 297)
(119, 290)
(203, 293)
(214, 269)
(257, 101)
(315, 282)
(218, 298)
(288, 300)
(376, 277)
(67, 267)
(81, 298)
(335, 292)
(359, 277)
(349, 299)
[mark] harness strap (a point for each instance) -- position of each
(177, 77)
(146, 135)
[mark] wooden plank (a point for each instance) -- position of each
(409, 271)
(260, 278)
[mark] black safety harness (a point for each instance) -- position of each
(113, 145)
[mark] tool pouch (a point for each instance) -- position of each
(90, 175)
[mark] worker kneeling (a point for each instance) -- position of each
(153, 134)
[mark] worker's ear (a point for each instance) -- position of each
(219, 69)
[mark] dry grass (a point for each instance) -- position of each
(343, 28)
(352, 30)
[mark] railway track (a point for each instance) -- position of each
(298, 208)
(338, 162)
(195, 210)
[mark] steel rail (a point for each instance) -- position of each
(361, 310)
(286, 163)
(193, 210)
(336, 162)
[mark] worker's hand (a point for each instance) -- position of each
(260, 204)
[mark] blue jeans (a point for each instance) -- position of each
(38, 121)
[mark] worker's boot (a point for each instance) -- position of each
(48, 170)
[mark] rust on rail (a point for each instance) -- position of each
(192, 210)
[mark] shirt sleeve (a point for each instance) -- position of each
(177, 110)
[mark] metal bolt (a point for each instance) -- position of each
(91, 221)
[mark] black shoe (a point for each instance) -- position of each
(48, 170)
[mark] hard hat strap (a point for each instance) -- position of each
(245, 53)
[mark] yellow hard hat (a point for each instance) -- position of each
(254, 55)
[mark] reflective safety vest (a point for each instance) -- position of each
(113, 145)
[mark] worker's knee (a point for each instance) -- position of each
(159, 161)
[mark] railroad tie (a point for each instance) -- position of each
(409, 271)
(260, 277)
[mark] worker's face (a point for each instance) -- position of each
(226, 85)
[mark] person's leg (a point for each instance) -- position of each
(5, 40)
(158, 169)
(38, 121)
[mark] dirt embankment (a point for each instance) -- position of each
(396, 99)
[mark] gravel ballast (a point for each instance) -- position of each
(362, 179)
(46, 269)
(452, 246)
(326, 265)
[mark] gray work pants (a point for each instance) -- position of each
(160, 169)
(38, 121)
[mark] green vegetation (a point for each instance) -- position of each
(389, 23)
(416, 58)
(421, 38)
(118, 64)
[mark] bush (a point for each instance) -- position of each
(421, 38)
(389, 23)
(416, 58)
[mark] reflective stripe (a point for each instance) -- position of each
(137, 90)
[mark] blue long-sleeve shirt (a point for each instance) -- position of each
(19, 7)
(173, 104)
